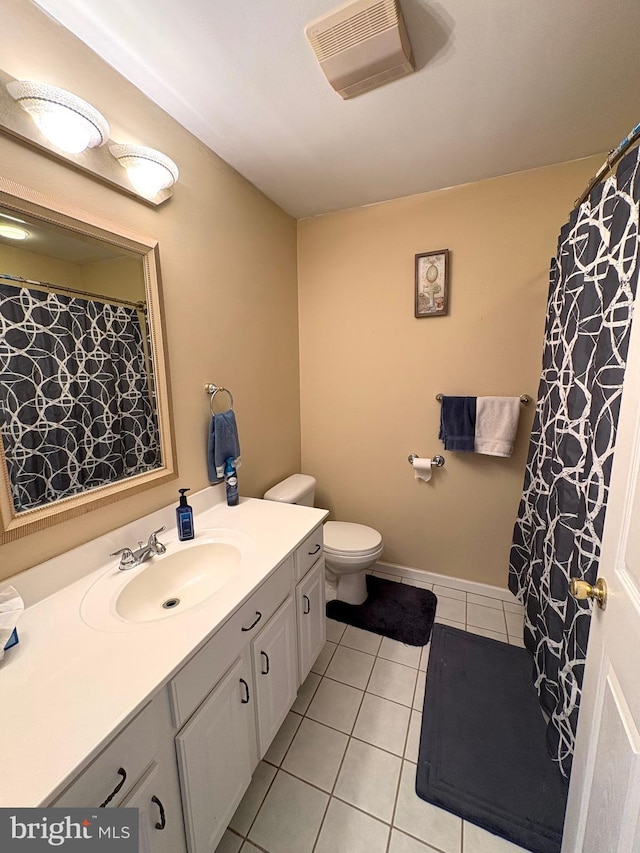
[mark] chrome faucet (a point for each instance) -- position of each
(129, 558)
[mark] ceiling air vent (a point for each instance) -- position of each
(361, 45)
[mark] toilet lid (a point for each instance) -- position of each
(342, 537)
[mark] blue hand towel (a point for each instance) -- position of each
(458, 423)
(223, 443)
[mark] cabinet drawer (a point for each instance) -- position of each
(131, 751)
(308, 552)
(200, 674)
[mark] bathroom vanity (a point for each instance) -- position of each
(172, 714)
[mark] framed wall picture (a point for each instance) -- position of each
(432, 284)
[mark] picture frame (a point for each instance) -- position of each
(432, 284)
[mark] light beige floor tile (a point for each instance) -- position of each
(424, 657)
(387, 576)
(484, 600)
(282, 741)
(335, 630)
(335, 705)
(451, 622)
(290, 816)
(229, 843)
(347, 829)
(449, 592)
(485, 632)
(451, 608)
(322, 661)
(305, 693)
(363, 641)
(513, 607)
(413, 739)
(351, 667)
(382, 723)
(413, 582)
(418, 696)
(423, 820)
(401, 843)
(400, 653)
(248, 847)
(515, 624)
(315, 754)
(368, 779)
(486, 617)
(250, 804)
(393, 681)
(477, 840)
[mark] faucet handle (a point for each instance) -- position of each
(158, 547)
(127, 557)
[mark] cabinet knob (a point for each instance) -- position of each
(266, 660)
(307, 603)
(315, 551)
(255, 622)
(246, 691)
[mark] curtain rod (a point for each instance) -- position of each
(612, 158)
(56, 288)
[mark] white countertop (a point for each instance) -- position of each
(66, 687)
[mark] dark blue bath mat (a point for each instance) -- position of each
(395, 610)
(483, 753)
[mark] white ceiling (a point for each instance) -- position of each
(500, 86)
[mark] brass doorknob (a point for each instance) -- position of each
(582, 589)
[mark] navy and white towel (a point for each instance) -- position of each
(485, 425)
(222, 443)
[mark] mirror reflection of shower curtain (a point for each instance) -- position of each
(76, 408)
(561, 515)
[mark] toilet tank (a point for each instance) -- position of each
(296, 489)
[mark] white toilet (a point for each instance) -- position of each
(349, 549)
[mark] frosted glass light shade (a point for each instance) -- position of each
(13, 232)
(149, 171)
(68, 122)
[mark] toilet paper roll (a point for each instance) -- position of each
(422, 468)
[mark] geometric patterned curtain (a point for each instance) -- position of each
(75, 402)
(561, 516)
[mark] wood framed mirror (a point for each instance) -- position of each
(85, 411)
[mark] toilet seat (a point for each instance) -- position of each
(349, 539)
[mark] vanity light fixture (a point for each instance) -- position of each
(13, 232)
(149, 171)
(68, 122)
(55, 121)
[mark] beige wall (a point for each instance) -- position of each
(370, 371)
(228, 262)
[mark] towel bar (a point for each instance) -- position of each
(215, 389)
(438, 461)
(524, 398)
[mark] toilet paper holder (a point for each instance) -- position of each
(438, 461)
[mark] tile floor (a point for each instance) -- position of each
(339, 776)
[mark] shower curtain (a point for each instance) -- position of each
(76, 408)
(561, 515)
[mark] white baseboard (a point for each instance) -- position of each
(444, 580)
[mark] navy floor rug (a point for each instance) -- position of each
(395, 610)
(483, 753)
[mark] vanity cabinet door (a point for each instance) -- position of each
(157, 798)
(216, 757)
(275, 670)
(310, 611)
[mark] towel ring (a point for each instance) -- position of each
(215, 389)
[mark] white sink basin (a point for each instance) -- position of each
(167, 585)
(178, 581)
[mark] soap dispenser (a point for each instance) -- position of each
(184, 517)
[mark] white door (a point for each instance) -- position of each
(275, 670)
(312, 621)
(603, 811)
